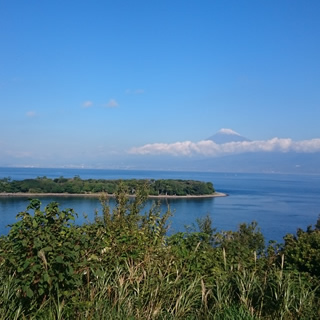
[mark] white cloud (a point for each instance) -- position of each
(312, 145)
(210, 148)
(87, 104)
(112, 103)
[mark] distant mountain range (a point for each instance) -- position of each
(263, 162)
(228, 153)
(282, 162)
(259, 162)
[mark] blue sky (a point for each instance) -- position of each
(92, 80)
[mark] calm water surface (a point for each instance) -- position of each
(279, 203)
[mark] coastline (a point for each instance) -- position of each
(97, 195)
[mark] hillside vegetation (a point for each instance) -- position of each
(125, 266)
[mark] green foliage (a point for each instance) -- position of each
(125, 266)
(42, 252)
(77, 185)
(180, 187)
(242, 243)
(302, 251)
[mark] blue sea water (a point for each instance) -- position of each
(279, 203)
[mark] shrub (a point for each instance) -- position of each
(42, 252)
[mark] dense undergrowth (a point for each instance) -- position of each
(124, 266)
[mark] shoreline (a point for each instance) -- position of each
(97, 195)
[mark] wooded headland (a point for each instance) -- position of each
(77, 186)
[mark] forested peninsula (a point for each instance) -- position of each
(76, 185)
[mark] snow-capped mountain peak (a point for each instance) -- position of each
(228, 131)
(227, 135)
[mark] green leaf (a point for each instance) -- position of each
(29, 292)
(59, 259)
(26, 264)
(70, 270)
(35, 268)
(93, 257)
(46, 277)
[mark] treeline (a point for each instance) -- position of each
(125, 266)
(78, 186)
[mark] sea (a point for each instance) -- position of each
(279, 203)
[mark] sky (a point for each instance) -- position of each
(95, 82)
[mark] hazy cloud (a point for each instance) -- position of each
(87, 104)
(18, 154)
(210, 148)
(31, 114)
(112, 103)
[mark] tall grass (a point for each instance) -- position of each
(128, 268)
(159, 291)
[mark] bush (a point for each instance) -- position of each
(42, 252)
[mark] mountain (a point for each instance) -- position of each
(242, 159)
(227, 135)
(262, 162)
(255, 162)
